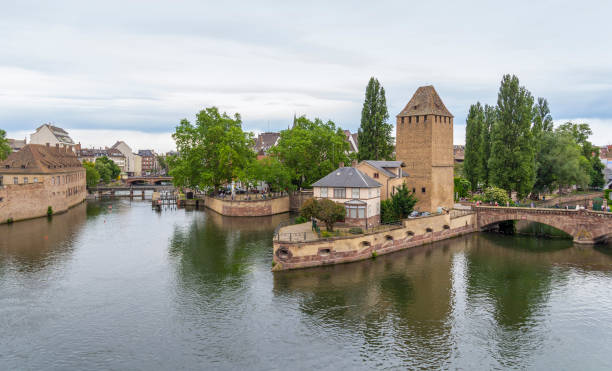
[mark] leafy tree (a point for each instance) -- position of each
(490, 116)
(462, 187)
(375, 140)
(92, 176)
(5, 149)
(311, 150)
(473, 163)
(399, 206)
(581, 133)
(560, 162)
(212, 151)
(494, 194)
(512, 161)
(326, 210)
(403, 201)
(163, 163)
(107, 169)
(330, 212)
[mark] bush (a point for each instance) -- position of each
(494, 194)
(300, 219)
(608, 194)
(374, 254)
(462, 187)
(49, 211)
(356, 230)
(9, 221)
(398, 207)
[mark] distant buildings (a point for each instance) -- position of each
(459, 153)
(91, 154)
(53, 135)
(264, 142)
(39, 177)
(352, 139)
(150, 165)
(133, 162)
(16, 144)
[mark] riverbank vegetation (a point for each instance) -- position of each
(514, 146)
(5, 149)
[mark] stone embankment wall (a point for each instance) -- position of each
(298, 198)
(27, 201)
(413, 232)
(248, 208)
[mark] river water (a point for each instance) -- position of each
(117, 285)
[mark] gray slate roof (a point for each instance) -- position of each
(347, 177)
(383, 165)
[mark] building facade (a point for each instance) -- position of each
(38, 177)
(53, 135)
(149, 166)
(424, 142)
(16, 144)
(359, 194)
(390, 174)
(133, 162)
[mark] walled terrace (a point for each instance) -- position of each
(293, 253)
(243, 206)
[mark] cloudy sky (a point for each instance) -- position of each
(130, 70)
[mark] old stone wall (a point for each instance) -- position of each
(26, 201)
(298, 198)
(248, 208)
(414, 232)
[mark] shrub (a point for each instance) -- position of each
(494, 194)
(374, 254)
(356, 230)
(300, 219)
(608, 194)
(9, 220)
(326, 234)
(462, 187)
(49, 211)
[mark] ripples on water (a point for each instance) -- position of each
(126, 287)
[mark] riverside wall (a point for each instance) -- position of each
(412, 232)
(27, 201)
(228, 207)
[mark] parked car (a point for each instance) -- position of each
(425, 213)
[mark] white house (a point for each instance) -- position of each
(53, 135)
(133, 162)
(359, 194)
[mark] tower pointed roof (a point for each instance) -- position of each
(425, 101)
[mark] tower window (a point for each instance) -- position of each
(410, 119)
(375, 175)
(417, 119)
(402, 120)
(413, 190)
(423, 189)
(424, 118)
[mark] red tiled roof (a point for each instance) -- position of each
(425, 101)
(37, 158)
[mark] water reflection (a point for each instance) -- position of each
(32, 245)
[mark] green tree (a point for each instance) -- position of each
(375, 138)
(403, 201)
(512, 161)
(107, 169)
(330, 212)
(581, 133)
(212, 152)
(462, 187)
(490, 116)
(163, 163)
(326, 210)
(473, 163)
(92, 176)
(5, 149)
(387, 212)
(311, 150)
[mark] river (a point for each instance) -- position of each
(117, 285)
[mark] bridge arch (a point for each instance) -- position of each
(584, 226)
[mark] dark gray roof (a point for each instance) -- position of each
(383, 165)
(346, 177)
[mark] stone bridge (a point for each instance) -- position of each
(586, 227)
(148, 180)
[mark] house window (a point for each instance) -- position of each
(339, 192)
(35, 180)
(15, 180)
(1, 180)
(423, 189)
(25, 180)
(424, 118)
(417, 119)
(375, 175)
(323, 191)
(410, 119)
(53, 180)
(354, 212)
(355, 193)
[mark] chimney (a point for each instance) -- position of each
(340, 165)
(354, 163)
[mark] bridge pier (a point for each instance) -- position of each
(143, 194)
(131, 194)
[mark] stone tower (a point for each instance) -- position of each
(424, 142)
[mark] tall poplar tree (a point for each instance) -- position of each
(375, 140)
(472, 165)
(490, 115)
(512, 163)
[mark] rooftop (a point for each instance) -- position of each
(383, 167)
(37, 158)
(425, 101)
(347, 177)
